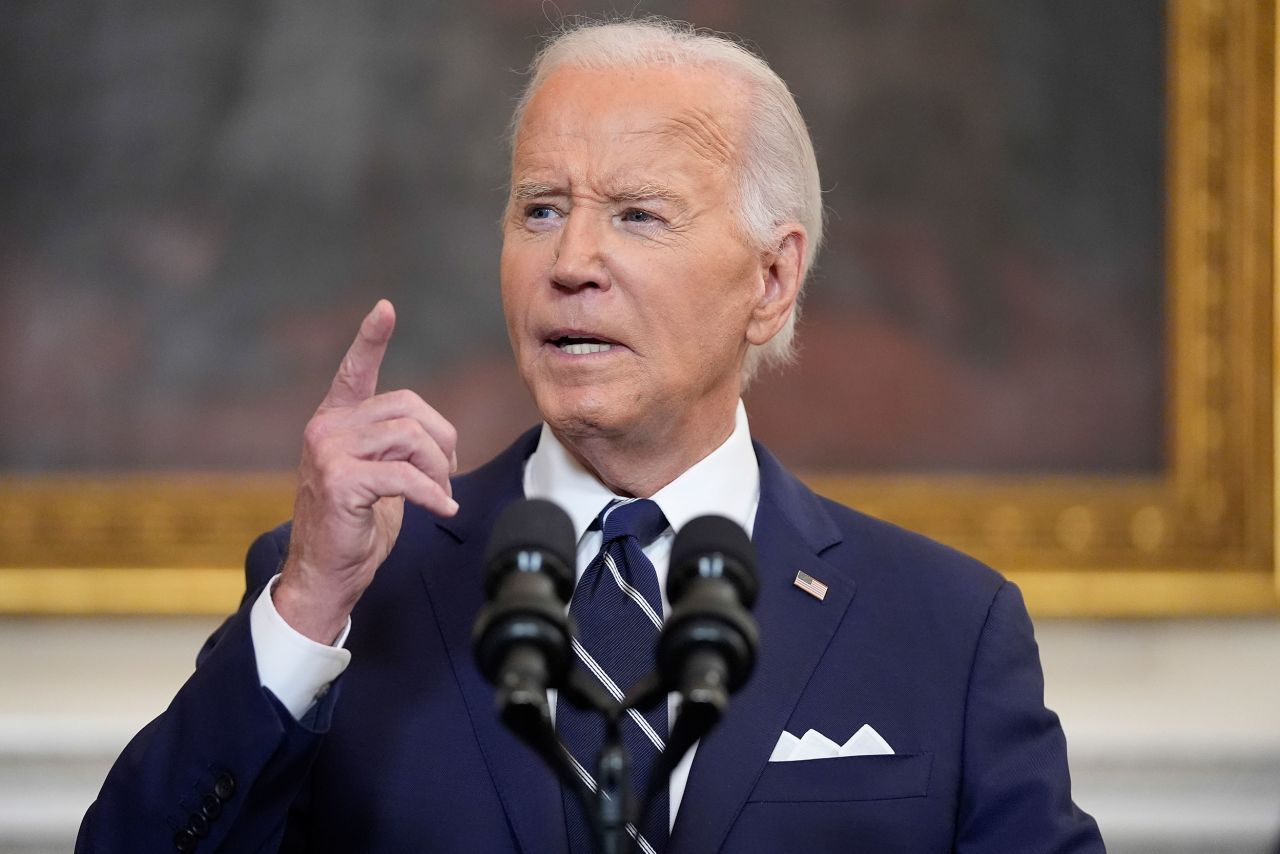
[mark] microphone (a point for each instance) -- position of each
(522, 638)
(707, 649)
(708, 645)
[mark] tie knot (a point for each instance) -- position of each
(633, 517)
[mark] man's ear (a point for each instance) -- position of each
(782, 271)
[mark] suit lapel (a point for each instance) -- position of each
(792, 529)
(529, 792)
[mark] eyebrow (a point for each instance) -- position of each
(528, 190)
(640, 192)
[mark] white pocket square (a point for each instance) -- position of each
(814, 745)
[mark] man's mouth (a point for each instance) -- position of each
(576, 345)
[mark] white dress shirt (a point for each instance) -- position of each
(726, 482)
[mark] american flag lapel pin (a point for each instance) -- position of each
(811, 585)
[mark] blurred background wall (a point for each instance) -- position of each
(201, 200)
(204, 200)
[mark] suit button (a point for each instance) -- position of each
(185, 841)
(210, 807)
(199, 825)
(224, 787)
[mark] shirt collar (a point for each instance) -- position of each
(725, 482)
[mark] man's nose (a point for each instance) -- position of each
(580, 252)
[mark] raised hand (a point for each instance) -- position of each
(363, 454)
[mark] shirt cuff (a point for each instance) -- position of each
(290, 665)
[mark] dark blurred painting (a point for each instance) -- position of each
(201, 200)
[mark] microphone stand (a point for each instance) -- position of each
(613, 797)
(524, 709)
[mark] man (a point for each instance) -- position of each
(664, 210)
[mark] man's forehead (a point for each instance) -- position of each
(698, 109)
(704, 132)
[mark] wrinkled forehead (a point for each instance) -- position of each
(699, 110)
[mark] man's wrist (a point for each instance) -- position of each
(318, 617)
(296, 669)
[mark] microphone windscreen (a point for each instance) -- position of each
(709, 535)
(534, 525)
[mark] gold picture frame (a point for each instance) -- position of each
(1198, 538)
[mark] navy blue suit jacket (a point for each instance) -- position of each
(406, 753)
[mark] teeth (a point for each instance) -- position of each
(582, 349)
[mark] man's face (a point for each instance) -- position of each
(629, 290)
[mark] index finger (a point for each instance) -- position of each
(357, 377)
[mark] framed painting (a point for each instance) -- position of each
(1079, 301)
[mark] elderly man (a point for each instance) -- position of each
(664, 210)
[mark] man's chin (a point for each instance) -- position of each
(581, 423)
(573, 414)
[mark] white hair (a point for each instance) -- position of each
(778, 173)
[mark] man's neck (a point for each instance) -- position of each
(639, 468)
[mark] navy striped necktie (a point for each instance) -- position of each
(617, 609)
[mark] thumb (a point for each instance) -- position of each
(357, 377)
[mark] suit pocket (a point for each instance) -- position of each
(846, 778)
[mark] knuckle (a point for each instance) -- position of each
(429, 466)
(323, 445)
(449, 435)
(346, 368)
(440, 465)
(420, 409)
(315, 431)
(409, 428)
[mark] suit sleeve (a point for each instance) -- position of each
(219, 769)
(1016, 790)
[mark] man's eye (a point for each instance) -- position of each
(638, 216)
(540, 212)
